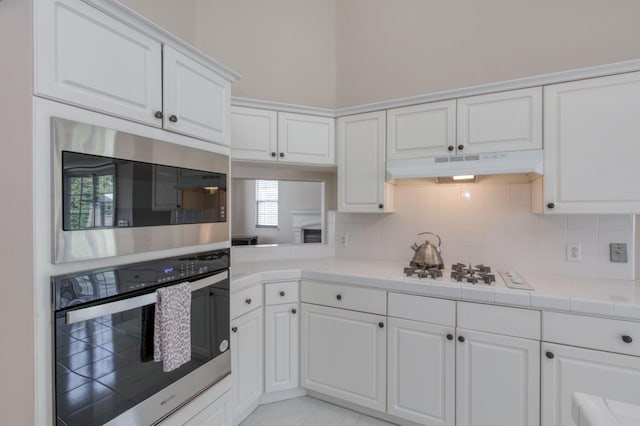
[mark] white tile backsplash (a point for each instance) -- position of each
(488, 223)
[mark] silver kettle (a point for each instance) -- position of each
(426, 255)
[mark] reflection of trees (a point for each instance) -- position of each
(91, 199)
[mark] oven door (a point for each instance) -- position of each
(104, 369)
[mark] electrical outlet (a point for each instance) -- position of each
(574, 253)
(618, 252)
(344, 241)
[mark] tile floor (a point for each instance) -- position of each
(307, 411)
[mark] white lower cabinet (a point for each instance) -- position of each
(421, 372)
(567, 369)
(281, 330)
(344, 355)
(497, 380)
(247, 362)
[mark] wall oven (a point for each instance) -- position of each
(103, 340)
(116, 193)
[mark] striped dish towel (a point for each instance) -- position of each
(172, 328)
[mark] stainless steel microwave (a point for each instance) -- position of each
(116, 193)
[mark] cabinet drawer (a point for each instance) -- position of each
(500, 320)
(597, 333)
(347, 297)
(425, 309)
(284, 292)
(246, 300)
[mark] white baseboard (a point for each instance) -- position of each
(268, 398)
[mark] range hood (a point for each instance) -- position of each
(491, 163)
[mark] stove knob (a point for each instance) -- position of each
(449, 336)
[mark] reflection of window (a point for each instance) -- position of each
(89, 198)
(267, 203)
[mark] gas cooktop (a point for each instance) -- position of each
(462, 273)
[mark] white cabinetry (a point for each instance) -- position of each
(216, 414)
(497, 366)
(567, 368)
(213, 407)
(344, 352)
(196, 99)
(591, 146)
(362, 185)
(421, 360)
(254, 134)
(90, 59)
(281, 331)
(247, 362)
(505, 121)
(425, 130)
(344, 355)
(263, 135)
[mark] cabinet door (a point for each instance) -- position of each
(89, 59)
(425, 130)
(306, 139)
(421, 372)
(497, 380)
(344, 355)
(567, 369)
(254, 134)
(196, 99)
(247, 362)
(505, 121)
(361, 164)
(218, 413)
(281, 328)
(591, 145)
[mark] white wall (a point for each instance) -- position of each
(488, 223)
(177, 17)
(17, 357)
(291, 196)
(392, 49)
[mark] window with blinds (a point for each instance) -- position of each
(267, 203)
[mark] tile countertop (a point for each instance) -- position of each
(591, 296)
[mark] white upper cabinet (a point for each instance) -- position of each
(423, 130)
(263, 135)
(254, 134)
(306, 139)
(591, 151)
(90, 59)
(196, 99)
(362, 185)
(504, 121)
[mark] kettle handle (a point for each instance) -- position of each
(431, 233)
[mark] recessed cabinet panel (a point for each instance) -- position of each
(421, 131)
(254, 134)
(196, 99)
(505, 121)
(344, 355)
(90, 59)
(591, 145)
(362, 183)
(306, 139)
(421, 372)
(281, 330)
(566, 370)
(497, 380)
(247, 362)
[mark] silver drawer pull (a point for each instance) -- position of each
(97, 311)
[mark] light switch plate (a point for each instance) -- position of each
(618, 252)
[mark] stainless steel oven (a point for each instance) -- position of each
(103, 340)
(116, 193)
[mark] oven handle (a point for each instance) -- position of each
(97, 311)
